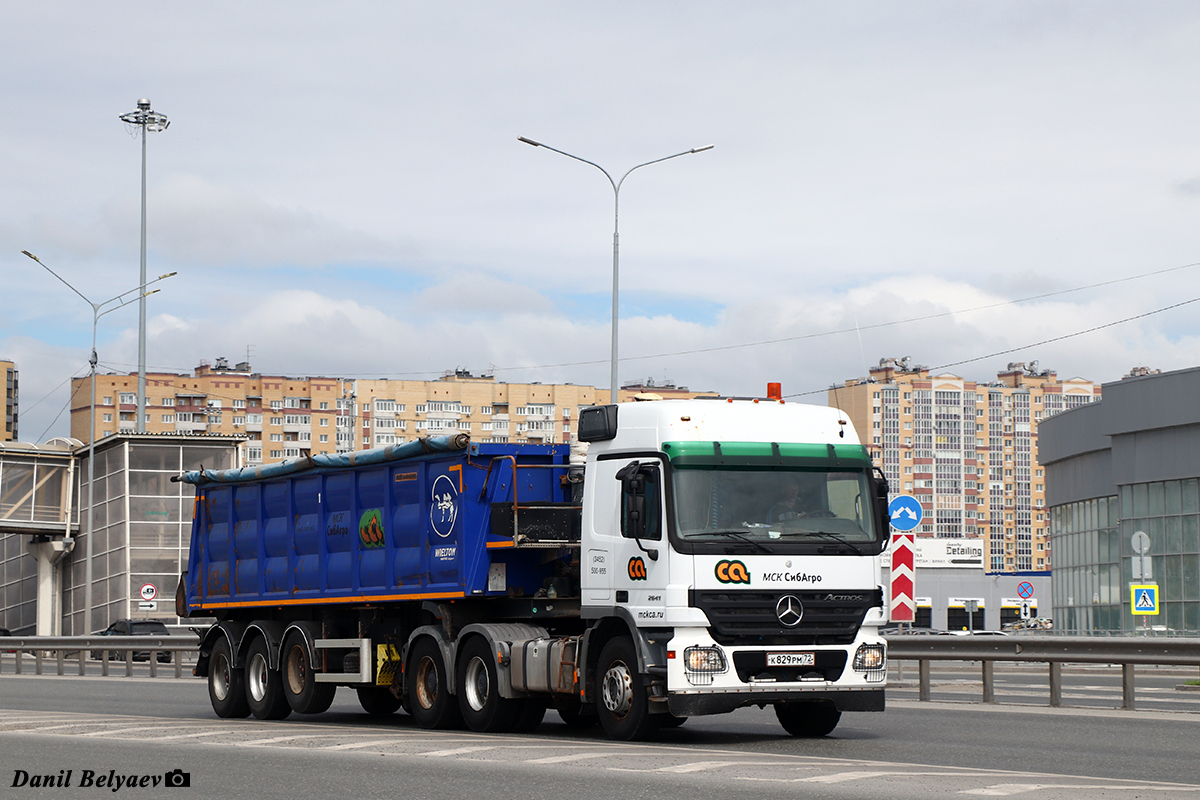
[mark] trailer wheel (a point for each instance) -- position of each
(378, 701)
(670, 721)
(621, 701)
(264, 686)
(809, 720)
(425, 682)
(479, 700)
(300, 687)
(226, 685)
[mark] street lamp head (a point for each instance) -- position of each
(529, 141)
(31, 255)
(702, 149)
(144, 104)
(168, 275)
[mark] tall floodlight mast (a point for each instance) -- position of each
(152, 121)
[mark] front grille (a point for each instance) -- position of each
(831, 616)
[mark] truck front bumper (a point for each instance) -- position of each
(704, 677)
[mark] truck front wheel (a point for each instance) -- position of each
(428, 688)
(264, 686)
(226, 685)
(300, 687)
(809, 720)
(621, 698)
(479, 700)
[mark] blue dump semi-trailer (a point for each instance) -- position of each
(708, 555)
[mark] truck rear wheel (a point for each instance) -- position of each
(378, 701)
(809, 720)
(300, 687)
(264, 686)
(479, 700)
(428, 689)
(621, 697)
(226, 685)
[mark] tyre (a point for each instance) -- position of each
(264, 686)
(621, 697)
(809, 720)
(670, 721)
(572, 712)
(479, 700)
(226, 685)
(304, 695)
(530, 717)
(428, 689)
(378, 701)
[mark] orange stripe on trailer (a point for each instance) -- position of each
(494, 545)
(319, 601)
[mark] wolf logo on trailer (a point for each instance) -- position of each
(443, 506)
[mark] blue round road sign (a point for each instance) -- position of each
(905, 512)
(1025, 589)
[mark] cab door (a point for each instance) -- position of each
(642, 568)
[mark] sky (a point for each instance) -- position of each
(341, 189)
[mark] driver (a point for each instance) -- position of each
(788, 506)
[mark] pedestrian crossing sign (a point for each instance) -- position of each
(1143, 598)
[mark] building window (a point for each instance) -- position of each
(239, 403)
(324, 437)
(276, 420)
(108, 400)
(108, 418)
(276, 405)
(166, 418)
(276, 454)
(239, 420)
(128, 398)
(486, 410)
(276, 437)
(324, 422)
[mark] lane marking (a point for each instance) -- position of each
(459, 751)
(698, 766)
(572, 757)
(260, 742)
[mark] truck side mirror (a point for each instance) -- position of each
(640, 505)
(881, 501)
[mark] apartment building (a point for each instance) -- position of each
(287, 417)
(966, 450)
(9, 432)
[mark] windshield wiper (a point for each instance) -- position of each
(740, 537)
(837, 539)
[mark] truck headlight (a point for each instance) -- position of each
(700, 664)
(871, 659)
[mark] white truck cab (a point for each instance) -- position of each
(740, 541)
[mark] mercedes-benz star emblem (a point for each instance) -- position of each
(789, 610)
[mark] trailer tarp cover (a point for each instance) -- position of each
(380, 455)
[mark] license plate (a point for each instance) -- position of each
(791, 659)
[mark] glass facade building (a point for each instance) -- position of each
(1127, 465)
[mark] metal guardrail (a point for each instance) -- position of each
(63, 649)
(1052, 650)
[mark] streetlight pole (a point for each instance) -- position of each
(98, 311)
(616, 186)
(152, 120)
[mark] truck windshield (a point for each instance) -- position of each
(714, 504)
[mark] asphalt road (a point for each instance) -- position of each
(914, 750)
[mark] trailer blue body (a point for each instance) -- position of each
(411, 522)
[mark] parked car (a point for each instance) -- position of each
(6, 632)
(135, 627)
